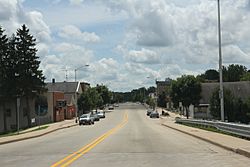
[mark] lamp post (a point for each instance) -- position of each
(221, 95)
(76, 95)
(86, 65)
(18, 110)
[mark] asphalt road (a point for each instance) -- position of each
(125, 138)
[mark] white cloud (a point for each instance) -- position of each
(73, 55)
(143, 56)
(73, 33)
(154, 29)
(156, 38)
(105, 69)
(75, 2)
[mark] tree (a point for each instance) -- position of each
(201, 78)
(151, 102)
(236, 110)
(162, 100)
(233, 72)
(3, 71)
(151, 89)
(186, 89)
(104, 93)
(212, 74)
(245, 77)
(89, 100)
(31, 79)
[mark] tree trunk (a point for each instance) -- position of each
(187, 112)
(28, 112)
(4, 118)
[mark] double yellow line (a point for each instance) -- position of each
(74, 156)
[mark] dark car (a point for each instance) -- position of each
(149, 112)
(86, 119)
(154, 114)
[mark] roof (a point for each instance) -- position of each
(66, 87)
(238, 89)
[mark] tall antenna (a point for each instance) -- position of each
(66, 73)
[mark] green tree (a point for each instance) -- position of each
(31, 79)
(229, 104)
(104, 93)
(186, 89)
(212, 74)
(84, 102)
(3, 72)
(151, 102)
(245, 77)
(89, 100)
(162, 100)
(233, 72)
(151, 89)
(236, 110)
(201, 78)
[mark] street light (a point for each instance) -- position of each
(76, 96)
(87, 65)
(220, 65)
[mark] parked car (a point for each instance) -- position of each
(116, 105)
(111, 107)
(86, 119)
(154, 114)
(95, 116)
(149, 112)
(101, 114)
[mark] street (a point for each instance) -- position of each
(126, 137)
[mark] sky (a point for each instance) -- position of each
(130, 43)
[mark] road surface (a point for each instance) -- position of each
(125, 138)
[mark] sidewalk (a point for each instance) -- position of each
(231, 143)
(28, 133)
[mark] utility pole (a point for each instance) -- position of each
(86, 65)
(221, 95)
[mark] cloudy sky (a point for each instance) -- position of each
(130, 43)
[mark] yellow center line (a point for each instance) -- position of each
(74, 156)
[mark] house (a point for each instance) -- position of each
(71, 92)
(9, 115)
(163, 86)
(57, 104)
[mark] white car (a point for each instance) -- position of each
(86, 119)
(111, 107)
(101, 114)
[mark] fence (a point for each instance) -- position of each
(233, 128)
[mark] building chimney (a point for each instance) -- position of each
(53, 80)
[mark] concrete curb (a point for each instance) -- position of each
(238, 150)
(35, 136)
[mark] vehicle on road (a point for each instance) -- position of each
(116, 105)
(149, 112)
(86, 119)
(101, 114)
(111, 107)
(154, 114)
(95, 116)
